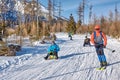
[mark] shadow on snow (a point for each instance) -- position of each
(33, 50)
(73, 54)
(117, 62)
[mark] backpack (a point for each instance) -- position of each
(98, 39)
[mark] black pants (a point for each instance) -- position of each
(100, 54)
(86, 43)
(70, 37)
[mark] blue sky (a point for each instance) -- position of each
(100, 7)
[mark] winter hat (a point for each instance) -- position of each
(97, 27)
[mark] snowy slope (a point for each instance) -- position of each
(76, 62)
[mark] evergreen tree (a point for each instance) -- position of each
(71, 27)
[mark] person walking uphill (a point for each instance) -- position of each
(70, 35)
(52, 51)
(99, 39)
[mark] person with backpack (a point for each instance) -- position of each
(99, 39)
(86, 41)
(52, 51)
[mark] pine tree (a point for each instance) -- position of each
(71, 27)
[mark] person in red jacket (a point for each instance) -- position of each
(99, 40)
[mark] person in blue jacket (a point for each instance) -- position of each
(53, 50)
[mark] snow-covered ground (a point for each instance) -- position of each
(75, 62)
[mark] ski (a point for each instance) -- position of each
(101, 68)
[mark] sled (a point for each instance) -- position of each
(51, 57)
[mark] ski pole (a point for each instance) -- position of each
(106, 48)
(110, 49)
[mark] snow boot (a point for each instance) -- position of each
(102, 67)
(104, 63)
(101, 64)
(46, 57)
